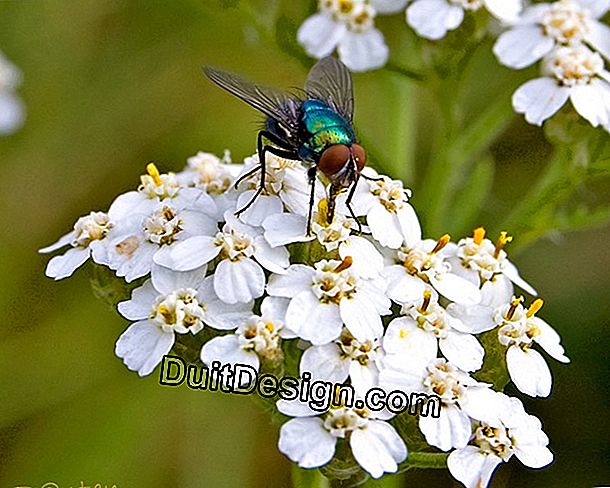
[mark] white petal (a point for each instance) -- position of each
(306, 442)
(274, 259)
(456, 289)
(378, 448)
(367, 261)
(529, 371)
(596, 8)
(295, 408)
(319, 323)
(263, 206)
(239, 281)
(12, 113)
(363, 377)
(139, 263)
(227, 350)
(63, 266)
(534, 456)
(361, 318)
(403, 337)
(298, 278)
(274, 308)
(521, 46)
(471, 467)
(167, 280)
(599, 37)
(189, 254)
(463, 350)
(402, 287)
(198, 201)
(217, 314)
(451, 429)
(195, 223)
(550, 340)
(409, 225)
(399, 374)
(285, 228)
(319, 35)
(384, 226)
(483, 404)
(61, 242)
(506, 10)
(126, 204)
(510, 270)
(140, 304)
(362, 51)
(539, 99)
(143, 345)
(588, 102)
(99, 252)
(433, 18)
(324, 362)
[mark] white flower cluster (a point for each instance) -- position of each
(348, 25)
(382, 308)
(566, 35)
(12, 112)
(572, 43)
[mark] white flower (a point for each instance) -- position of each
(329, 295)
(87, 239)
(546, 25)
(213, 176)
(139, 239)
(343, 358)
(573, 72)
(258, 337)
(285, 228)
(310, 439)
(348, 26)
(433, 18)
(484, 263)
(384, 202)
(424, 262)
(462, 398)
(518, 330)
(166, 188)
(171, 303)
(12, 112)
(286, 186)
(517, 433)
(243, 252)
(428, 326)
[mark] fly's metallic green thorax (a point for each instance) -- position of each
(324, 127)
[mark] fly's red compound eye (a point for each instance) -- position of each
(333, 159)
(359, 156)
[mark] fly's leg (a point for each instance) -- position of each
(246, 176)
(370, 178)
(262, 150)
(348, 204)
(311, 174)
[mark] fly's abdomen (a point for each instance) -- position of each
(324, 127)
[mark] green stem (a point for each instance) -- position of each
(424, 460)
(406, 72)
(308, 478)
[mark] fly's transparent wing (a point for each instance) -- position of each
(331, 81)
(273, 103)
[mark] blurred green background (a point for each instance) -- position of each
(110, 85)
